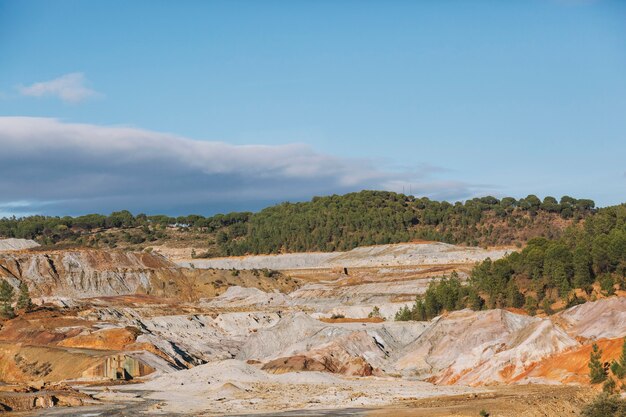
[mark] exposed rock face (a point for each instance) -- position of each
(88, 273)
(604, 318)
(79, 274)
(298, 342)
(469, 347)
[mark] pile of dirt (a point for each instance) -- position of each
(12, 244)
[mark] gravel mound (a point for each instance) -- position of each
(7, 245)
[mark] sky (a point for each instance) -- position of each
(216, 106)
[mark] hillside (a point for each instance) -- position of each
(333, 223)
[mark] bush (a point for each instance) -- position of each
(609, 386)
(375, 313)
(605, 405)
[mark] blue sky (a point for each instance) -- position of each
(453, 99)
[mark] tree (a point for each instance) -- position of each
(418, 313)
(6, 299)
(23, 300)
(531, 305)
(513, 295)
(404, 314)
(582, 267)
(609, 386)
(475, 301)
(597, 373)
(619, 367)
(375, 313)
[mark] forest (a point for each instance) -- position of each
(331, 223)
(566, 271)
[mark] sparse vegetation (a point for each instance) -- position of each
(605, 405)
(375, 313)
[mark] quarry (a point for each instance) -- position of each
(116, 332)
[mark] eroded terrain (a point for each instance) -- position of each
(124, 333)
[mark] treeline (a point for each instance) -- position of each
(51, 229)
(546, 271)
(329, 223)
(377, 217)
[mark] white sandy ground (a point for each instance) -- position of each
(434, 253)
(7, 245)
(232, 386)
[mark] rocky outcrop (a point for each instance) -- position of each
(88, 273)
(78, 274)
(605, 318)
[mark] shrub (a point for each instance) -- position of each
(375, 312)
(609, 386)
(605, 405)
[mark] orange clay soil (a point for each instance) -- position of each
(572, 366)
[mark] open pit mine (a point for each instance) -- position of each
(135, 333)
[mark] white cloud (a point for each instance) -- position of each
(70, 88)
(63, 168)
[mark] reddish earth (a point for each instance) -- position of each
(107, 339)
(573, 366)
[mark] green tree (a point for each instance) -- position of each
(607, 284)
(582, 267)
(597, 373)
(474, 300)
(619, 367)
(514, 297)
(23, 300)
(404, 314)
(609, 386)
(6, 299)
(531, 305)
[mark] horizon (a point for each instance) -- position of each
(216, 107)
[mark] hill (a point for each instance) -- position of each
(332, 223)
